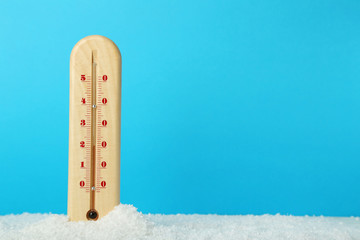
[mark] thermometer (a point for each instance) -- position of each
(94, 128)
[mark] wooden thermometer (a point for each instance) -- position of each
(94, 128)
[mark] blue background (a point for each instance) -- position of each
(228, 107)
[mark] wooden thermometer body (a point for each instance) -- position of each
(94, 128)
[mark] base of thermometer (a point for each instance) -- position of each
(92, 214)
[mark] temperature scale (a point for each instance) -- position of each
(94, 128)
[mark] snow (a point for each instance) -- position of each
(126, 223)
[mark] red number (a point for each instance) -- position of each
(82, 183)
(82, 164)
(103, 144)
(82, 123)
(104, 77)
(104, 100)
(82, 144)
(83, 100)
(103, 183)
(83, 78)
(103, 164)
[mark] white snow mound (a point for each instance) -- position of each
(126, 223)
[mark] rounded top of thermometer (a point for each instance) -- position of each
(96, 42)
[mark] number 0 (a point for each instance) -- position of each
(103, 164)
(82, 183)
